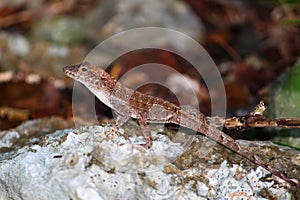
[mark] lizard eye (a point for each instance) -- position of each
(84, 69)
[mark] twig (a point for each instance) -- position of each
(256, 119)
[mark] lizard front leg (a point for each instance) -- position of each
(120, 121)
(124, 117)
(145, 130)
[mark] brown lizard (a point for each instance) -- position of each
(149, 109)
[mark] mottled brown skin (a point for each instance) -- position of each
(148, 109)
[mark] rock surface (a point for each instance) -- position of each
(85, 163)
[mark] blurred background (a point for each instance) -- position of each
(255, 45)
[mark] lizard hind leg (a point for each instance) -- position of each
(216, 121)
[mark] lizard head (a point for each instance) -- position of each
(91, 76)
(94, 78)
(85, 73)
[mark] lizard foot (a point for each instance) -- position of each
(148, 144)
(113, 131)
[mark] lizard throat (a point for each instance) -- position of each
(102, 94)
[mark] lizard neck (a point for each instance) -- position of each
(102, 85)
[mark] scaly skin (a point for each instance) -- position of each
(148, 109)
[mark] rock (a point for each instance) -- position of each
(61, 30)
(38, 56)
(19, 45)
(85, 163)
(110, 17)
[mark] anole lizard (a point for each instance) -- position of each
(129, 103)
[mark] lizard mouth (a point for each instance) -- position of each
(71, 70)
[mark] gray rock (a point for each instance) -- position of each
(19, 45)
(86, 163)
(61, 30)
(110, 17)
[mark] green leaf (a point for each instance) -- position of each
(285, 100)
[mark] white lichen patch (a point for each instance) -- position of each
(225, 184)
(254, 177)
(202, 189)
(6, 142)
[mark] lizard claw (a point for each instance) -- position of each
(148, 144)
